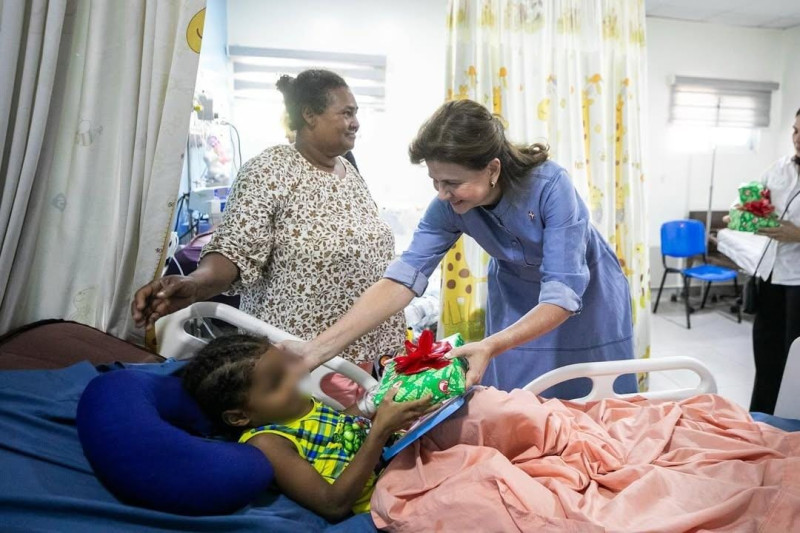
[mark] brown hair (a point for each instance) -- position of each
(467, 134)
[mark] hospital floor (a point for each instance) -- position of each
(716, 339)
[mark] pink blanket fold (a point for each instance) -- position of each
(513, 462)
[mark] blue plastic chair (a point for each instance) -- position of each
(685, 239)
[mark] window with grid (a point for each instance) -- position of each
(255, 71)
(721, 103)
(258, 106)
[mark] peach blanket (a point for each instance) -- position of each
(513, 462)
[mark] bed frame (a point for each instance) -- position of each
(175, 341)
(788, 404)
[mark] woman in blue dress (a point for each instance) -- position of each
(557, 294)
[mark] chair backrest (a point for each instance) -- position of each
(788, 404)
(683, 238)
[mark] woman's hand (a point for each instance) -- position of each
(786, 232)
(478, 355)
(214, 274)
(162, 297)
(393, 416)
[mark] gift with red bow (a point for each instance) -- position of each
(424, 369)
(754, 210)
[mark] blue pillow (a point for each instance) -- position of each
(136, 431)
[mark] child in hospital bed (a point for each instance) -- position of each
(324, 459)
(508, 461)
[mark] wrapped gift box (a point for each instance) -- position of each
(749, 192)
(755, 210)
(424, 370)
(746, 221)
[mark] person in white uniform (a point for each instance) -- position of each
(777, 320)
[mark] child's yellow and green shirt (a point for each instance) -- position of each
(328, 439)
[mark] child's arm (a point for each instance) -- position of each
(298, 479)
(364, 406)
(354, 410)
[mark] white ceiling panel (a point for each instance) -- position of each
(783, 22)
(778, 14)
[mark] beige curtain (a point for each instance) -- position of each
(91, 202)
(33, 42)
(570, 73)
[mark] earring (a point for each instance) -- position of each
(491, 184)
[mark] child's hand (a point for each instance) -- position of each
(393, 416)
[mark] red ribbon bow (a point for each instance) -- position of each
(761, 207)
(424, 355)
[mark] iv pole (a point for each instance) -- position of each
(710, 193)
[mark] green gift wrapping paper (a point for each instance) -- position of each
(455, 340)
(747, 221)
(749, 192)
(442, 383)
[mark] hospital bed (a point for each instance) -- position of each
(48, 485)
(177, 341)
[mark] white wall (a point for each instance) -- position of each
(412, 34)
(790, 85)
(678, 180)
(213, 70)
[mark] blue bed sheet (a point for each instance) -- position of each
(46, 484)
(786, 424)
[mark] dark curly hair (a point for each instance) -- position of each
(309, 90)
(220, 375)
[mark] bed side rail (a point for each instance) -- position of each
(177, 343)
(603, 374)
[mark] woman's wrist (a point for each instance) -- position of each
(214, 275)
(321, 351)
(202, 290)
(326, 346)
(495, 345)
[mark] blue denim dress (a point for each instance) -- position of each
(543, 249)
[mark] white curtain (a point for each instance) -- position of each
(570, 73)
(102, 93)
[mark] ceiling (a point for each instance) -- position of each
(776, 14)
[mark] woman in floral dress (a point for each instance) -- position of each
(301, 237)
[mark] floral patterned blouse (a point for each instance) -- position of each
(307, 244)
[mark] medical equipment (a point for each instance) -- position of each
(209, 201)
(204, 107)
(213, 157)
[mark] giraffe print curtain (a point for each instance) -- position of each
(570, 73)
